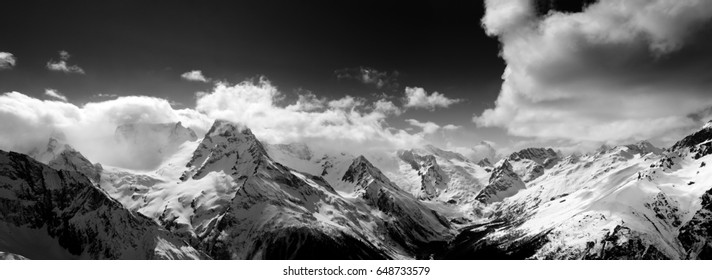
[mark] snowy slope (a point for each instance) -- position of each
(232, 200)
(50, 214)
(625, 202)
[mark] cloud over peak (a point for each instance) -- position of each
(609, 73)
(7, 60)
(62, 66)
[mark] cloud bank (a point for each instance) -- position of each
(621, 70)
(333, 124)
(28, 122)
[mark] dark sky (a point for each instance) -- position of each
(142, 47)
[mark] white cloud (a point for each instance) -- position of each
(346, 102)
(62, 66)
(28, 122)
(386, 107)
(451, 127)
(7, 60)
(483, 149)
(55, 94)
(428, 127)
(610, 73)
(416, 97)
(307, 102)
(194, 75)
(341, 124)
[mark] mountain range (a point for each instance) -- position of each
(227, 195)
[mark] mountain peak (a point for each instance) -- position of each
(229, 147)
(538, 155)
(707, 125)
(701, 136)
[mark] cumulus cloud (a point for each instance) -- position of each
(386, 107)
(416, 97)
(61, 64)
(28, 122)
(618, 71)
(343, 122)
(308, 102)
(370, 76)
(55, 94)
(195, 76)
(7, 60)
(428, 127)
(346, 102)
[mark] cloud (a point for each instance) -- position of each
(62, 66)
(370, 76)
(195, 76)
(7, 60)
(55, 94)
(344, 122)
(308, 102)
(416, 97)
(386, 107)
(330, 124)
(428, 127)
(346, 102)
(451, 127)
(27, 123)
(480, 151)
(618, 71)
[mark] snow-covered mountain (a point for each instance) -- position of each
(503, 183)
(233, 201)
(444, 180)
(57, 214)
(61, 156)
(624, 202)
(229, 196)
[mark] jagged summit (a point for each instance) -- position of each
(702, 136)
(503, 183)
(228, 147)
(61, 156)
(643, 147)
(538, 155)
(484, 163)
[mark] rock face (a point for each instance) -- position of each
(51, 214)
(696, 235)
(531, 163)
(432, 178)
(412, 224)
(502, 184)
